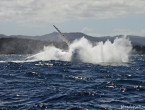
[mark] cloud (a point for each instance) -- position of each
(90, 31)
(52, 11)
(113, 32)
(86, 30)
(128, 32)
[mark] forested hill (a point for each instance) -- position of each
(55, 37)
(25, 46)
(29, 46)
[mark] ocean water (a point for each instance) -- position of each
(66, 85)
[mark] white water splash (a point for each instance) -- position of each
(83, 50)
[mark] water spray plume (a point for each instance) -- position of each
(83, 50)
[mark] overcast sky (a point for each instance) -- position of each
(92, 17)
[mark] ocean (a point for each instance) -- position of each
(66, 85)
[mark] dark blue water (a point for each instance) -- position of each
(59, 85)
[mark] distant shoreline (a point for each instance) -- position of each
(25, 46)
(29, 46)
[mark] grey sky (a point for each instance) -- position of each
(93, 17)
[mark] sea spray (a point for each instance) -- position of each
(82, 50)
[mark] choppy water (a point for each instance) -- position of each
(59, 85)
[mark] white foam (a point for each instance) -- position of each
(83, 50)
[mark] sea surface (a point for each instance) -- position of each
(60, 85)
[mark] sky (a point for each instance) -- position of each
(92, 17)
